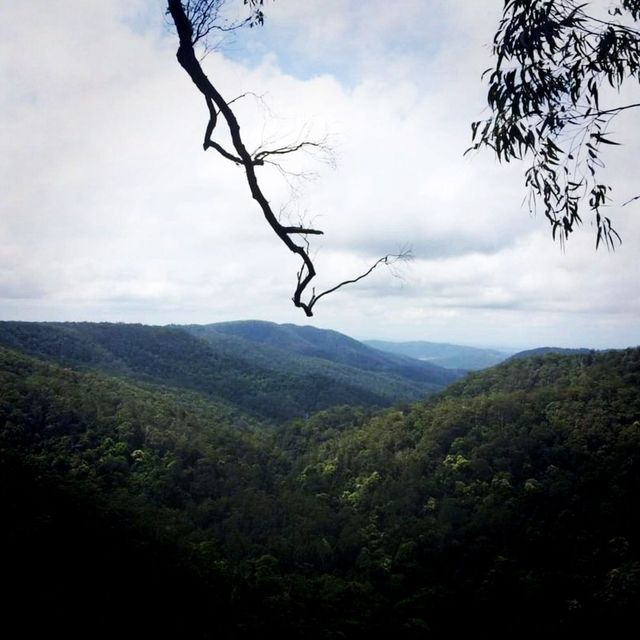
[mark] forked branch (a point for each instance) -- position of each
(194, 20)
(388, 261)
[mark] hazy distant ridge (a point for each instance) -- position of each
(543, 351)
(450, 356)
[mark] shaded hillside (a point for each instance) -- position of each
(504, 507)
(451, 356)
(269, 383)
(328, 345)
(77, 567)
(543, 351)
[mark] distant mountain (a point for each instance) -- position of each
(543, 351)
(450, 356)
(268, 382)
(325, 344)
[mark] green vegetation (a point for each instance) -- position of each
(270, 383)
(504, 506)
(324, 345)
(542, 351)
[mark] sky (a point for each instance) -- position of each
(111, 211)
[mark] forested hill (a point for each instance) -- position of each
(543, 351)
(452, 356)
(269, 382)
(300, 343)
(504, 507)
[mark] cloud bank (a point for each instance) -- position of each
(111, 211)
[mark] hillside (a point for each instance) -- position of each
(508, 498)
(543, 351)
(325, 345)
(92, 484)
(270, 383)
(451, 356)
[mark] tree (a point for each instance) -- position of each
(552, 92)
(195, 21)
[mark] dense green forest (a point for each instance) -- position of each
(505, 505)
(273, 380)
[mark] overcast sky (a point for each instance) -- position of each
(112, 211)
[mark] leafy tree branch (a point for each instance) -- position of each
(553, 63)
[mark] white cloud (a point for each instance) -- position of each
(112, 211)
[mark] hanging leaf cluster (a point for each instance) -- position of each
(556, 64)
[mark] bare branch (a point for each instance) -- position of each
(303, 231)
(213, 119)
(624, 204)
(194, 20)
(387, 260)
(261, 155)
(222, 151)
(277, 155)
(290, 177)
(208, 142)
(244, 95)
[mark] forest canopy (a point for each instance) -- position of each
(508, 499)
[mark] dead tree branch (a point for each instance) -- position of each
(386, 260)
(194, 20)
(261, 155)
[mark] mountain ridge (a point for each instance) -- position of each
(543, 351)
(271, 383)
(327, 344)
(448, 355)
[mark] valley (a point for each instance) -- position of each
(143, 470)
